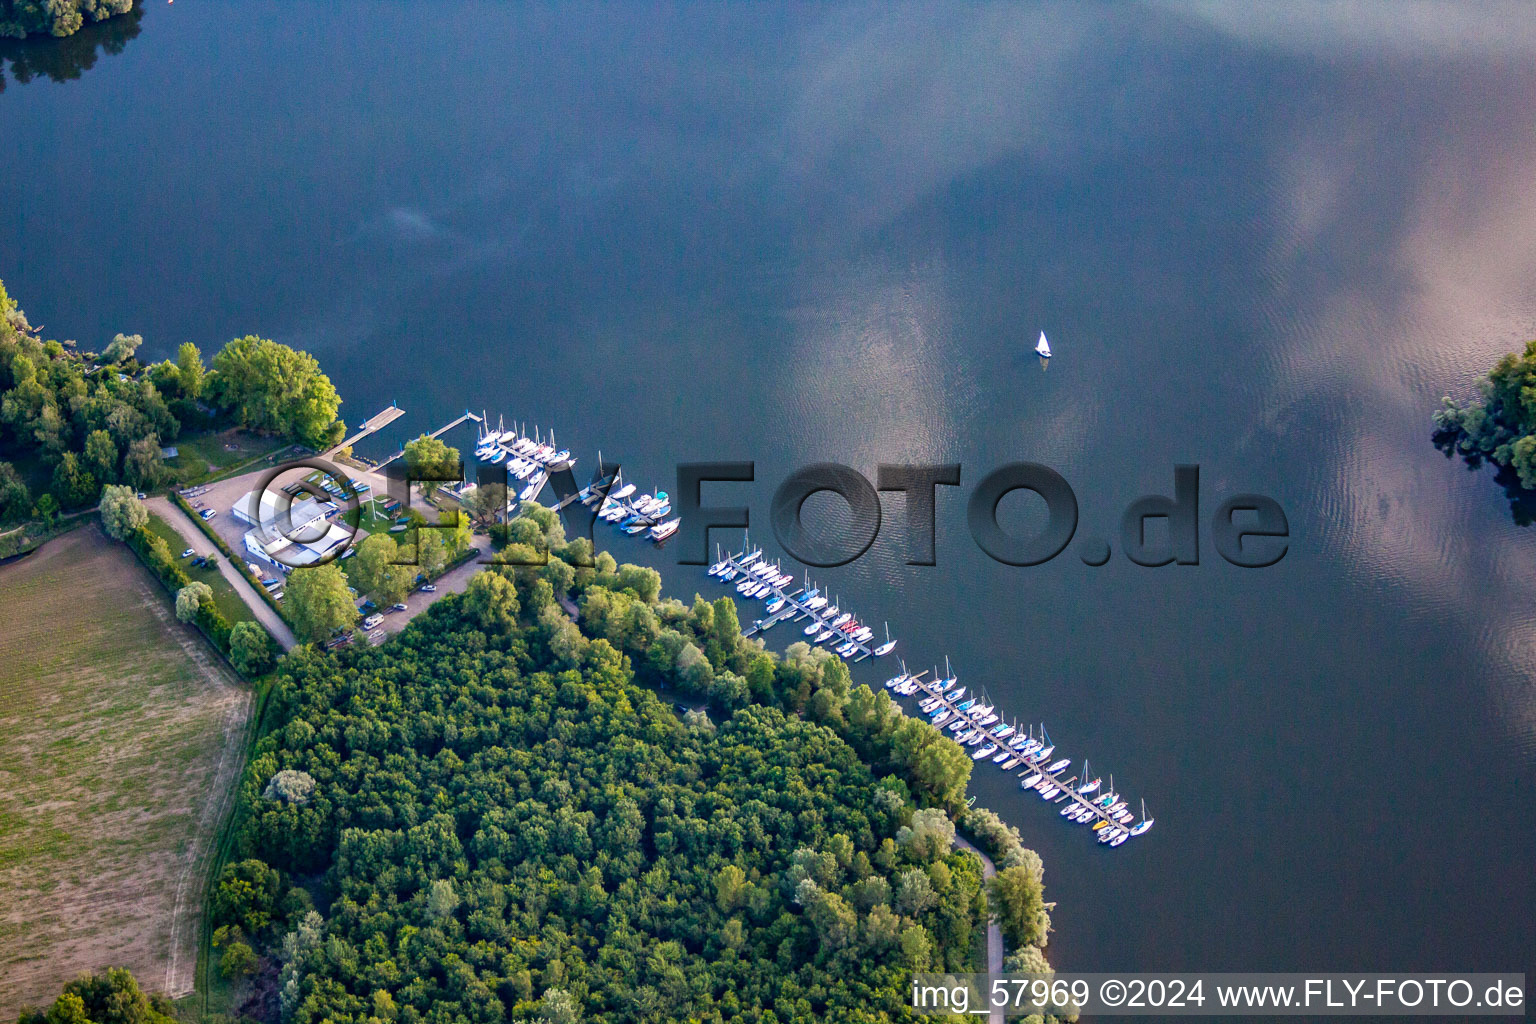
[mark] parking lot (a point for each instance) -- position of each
(222, 496)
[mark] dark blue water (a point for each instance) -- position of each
(1260, 244)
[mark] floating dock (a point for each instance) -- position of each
(1094, 809)
(792, 610)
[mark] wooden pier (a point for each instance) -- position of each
(372, 425)
(439, 432)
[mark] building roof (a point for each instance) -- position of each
(303, 512)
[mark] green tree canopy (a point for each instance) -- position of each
(121, 348)
(19, 18)
(73, 483)
(191, 599)
(270, 387)
(111, 997)
(374, 572)
(429, 458)
(15, 500)
(250, 648)
(189, 371)
(318, 601)
(1499, 424)
(121, 511)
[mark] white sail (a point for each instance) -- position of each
(1043, 346)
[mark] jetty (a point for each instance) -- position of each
(794, 606)
(960, 716)
(439, 432)
(371, 425)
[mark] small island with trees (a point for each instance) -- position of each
(22, 18)
(1499, 426)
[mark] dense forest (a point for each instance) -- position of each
(75, 421)
(490, 818)
(21, 18)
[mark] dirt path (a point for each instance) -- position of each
(994, 933)
(199, 542)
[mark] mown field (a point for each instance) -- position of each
(120, 738)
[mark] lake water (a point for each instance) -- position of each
(1258, 243)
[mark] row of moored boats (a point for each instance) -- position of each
(646, 514)
(976, 724)
(532, 458)
(526, 458)
(755, 577)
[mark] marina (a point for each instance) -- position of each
(976, 724)
(756, 578)
(979, 727)
(987, 734)
(531, 459)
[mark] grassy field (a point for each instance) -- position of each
(121, 734)
(229, 603)
(204, 457)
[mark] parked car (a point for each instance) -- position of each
(253, 569)
(187, 553)
(199, 561)
(372, 620)
(429, 588)
(399, 607)
(207, 514)
(141, 495)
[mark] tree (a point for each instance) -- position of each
(1500, 423)
(490, 601)
(319, 602)
(101, 455)
(1016, 902)
(73, 483)
(914, 892)
(486, 502)
(46, 510)
(191, 598)
(290, 786)
(558, 1008)
(271, 387)
(121, 348)
(730, 888)
(428, 458)
(250, 648)
(14, 498)
(239, 961)
(59, 18)
(375, 573)
(442, 900)
(930, 835)
(142, 465)
(121, 511)
(246, 895)
(112, 997)
(189, 371)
